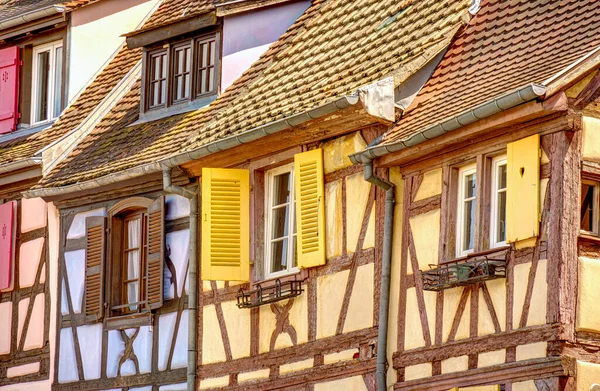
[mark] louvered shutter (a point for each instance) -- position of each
(522, 189)
(156, 253)
(9, 89)
(7, 259)
(225, 224)
(310, 208)
(95, 255)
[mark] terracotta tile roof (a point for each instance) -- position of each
(12, 8)
(172, 11)
(506, 45)
(113, 146)
(106, 80)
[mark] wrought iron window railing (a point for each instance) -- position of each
(464, 271)
(269, 294)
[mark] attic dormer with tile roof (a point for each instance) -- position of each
(197, 49)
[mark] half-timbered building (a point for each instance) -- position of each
(495, 234)
(212, 225)
(44, 65)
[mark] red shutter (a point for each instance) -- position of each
(7, 219)
(9, 89)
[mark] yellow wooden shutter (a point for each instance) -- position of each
(522, 189)
(95, 252)
(225, 224)
(155, 257)
(310, 208)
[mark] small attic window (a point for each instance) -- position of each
(180, 76)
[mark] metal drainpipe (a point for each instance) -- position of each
(193, 275)
(386, 265)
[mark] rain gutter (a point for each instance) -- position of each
(32, 16)
(20, 164)
(504, 102)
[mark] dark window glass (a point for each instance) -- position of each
(158, 79)
(587, 208)
(43, 80)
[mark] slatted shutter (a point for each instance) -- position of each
(225, 224)
(7, 253)
(310, 208)
(9, 89)
(156, 253)
(523, 188)
(95, 255)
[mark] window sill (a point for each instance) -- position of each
(179, 108)
(496, 251)
(128, 321)
(589, 237)
(300, 274)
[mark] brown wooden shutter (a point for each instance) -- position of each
(95, 255)
(156, 253)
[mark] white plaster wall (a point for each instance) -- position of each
(96, 35)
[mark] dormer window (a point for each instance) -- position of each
(181, 76)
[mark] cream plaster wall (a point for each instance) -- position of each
(451, 301)
(426, 232)
(587, 374)
(212, 343)
(395, 178)
(431, 185)
(524, 386)
(214, 382)
(96, 36)
(531, 351)
(588, 311)
(344, 355)
(488, 359)
(419, 371)
(591, 138)
(497, 290)
(238, 329)
(298, 318)
(413, 330)
(296, 366)
(455, 364)
(360, 308)
(334, 218)
(355, 383)
(335, 152)
(480, 388)
(356, 202)
(537, 308)
(330, 294)
(247, 376)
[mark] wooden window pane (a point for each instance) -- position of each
(182, 69)
(158, 79)
(206, 58)
(43, 80)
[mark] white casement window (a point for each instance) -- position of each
(467, 205)
(498, 198)
(46, 103)
(280, 224)
(589, 207)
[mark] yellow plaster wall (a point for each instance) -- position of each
(497, 290)
(267, 321)
(431, 185)
(455, 364)
(531, 351)
(588, 311)
(451, 301)
(207, 287)
(528, 385)
(591, 138)
(395, 178)
(360, 308)
(355, 383)
(419, 371)
(247, 376)
(214, 382)
(212, 343)
(330, 294)
(537, 308)
(357, 195)
(298, 316)
(413, 337)
(333, 213)
(296, 366)
(335, 152)
(426, 232)
(344, 355)
(587, 374)
(238, 329)
(480, 388)
(488, 359)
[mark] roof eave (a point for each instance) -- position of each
(494, 106)
(32, 16)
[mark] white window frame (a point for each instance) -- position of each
(51, 47)
(496, 163)
(463, 172)
(269, 177)
(595, 205)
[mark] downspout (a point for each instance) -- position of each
(386, 265)
(193, 275)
